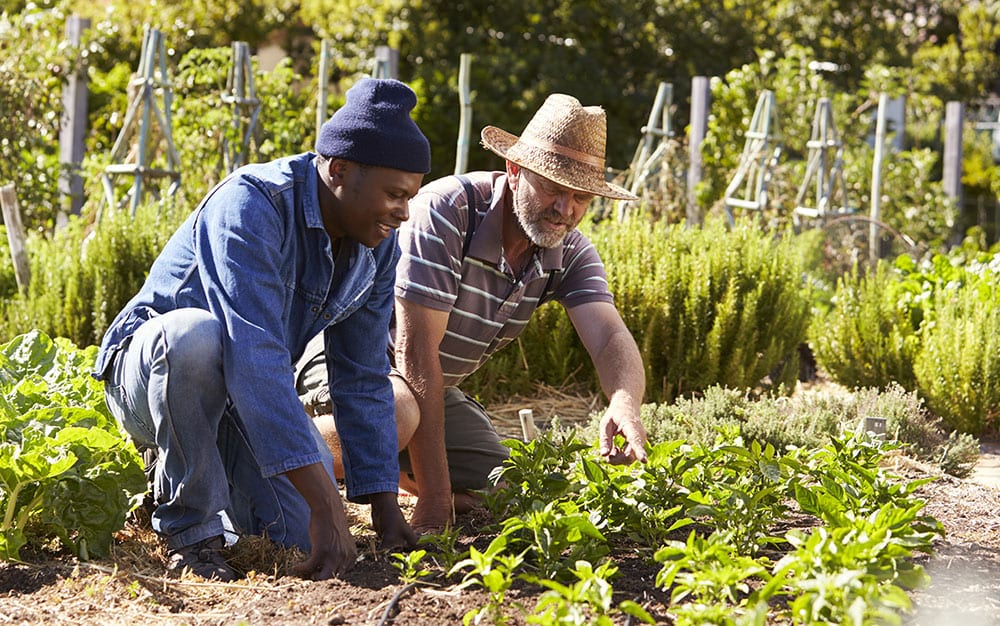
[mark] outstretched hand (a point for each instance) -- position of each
(433, 515)
(631, 428)
(333, 549)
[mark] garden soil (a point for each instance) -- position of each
(130, 587)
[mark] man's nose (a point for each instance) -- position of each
(564, 204)
(402, 212)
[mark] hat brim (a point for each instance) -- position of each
(557, 168)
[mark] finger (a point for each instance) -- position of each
(607, 440)
(328, 571)
(636, 453)
(306, 568)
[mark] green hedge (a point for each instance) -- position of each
(83, 275)
(868, 338)
(932, 328)
(706, 305)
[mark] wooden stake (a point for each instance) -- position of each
(527, 424)
(15, 236)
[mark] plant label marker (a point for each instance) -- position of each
(875, 426)
(527, 424)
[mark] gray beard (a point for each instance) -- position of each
(536, 235)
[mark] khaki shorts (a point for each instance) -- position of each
(470, 441)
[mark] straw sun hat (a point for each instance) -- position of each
(563, 142)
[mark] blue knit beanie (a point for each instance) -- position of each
(374, 127)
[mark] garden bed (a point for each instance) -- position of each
(130, 586)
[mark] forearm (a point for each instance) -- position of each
(621, 372)
(426, 449)
(316, 487)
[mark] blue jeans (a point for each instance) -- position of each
(166, 389)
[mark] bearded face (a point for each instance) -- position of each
(546, 210)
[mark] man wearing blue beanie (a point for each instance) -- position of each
(198, 366)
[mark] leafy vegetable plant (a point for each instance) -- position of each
(66, 472)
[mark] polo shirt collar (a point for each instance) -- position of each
(486, 240)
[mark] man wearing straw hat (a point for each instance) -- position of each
(480, 253)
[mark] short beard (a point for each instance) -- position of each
(535, 234)
(539, 237)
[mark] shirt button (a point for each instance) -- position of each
(327, 316)
(315, 309)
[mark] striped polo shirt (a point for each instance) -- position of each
(488, 304)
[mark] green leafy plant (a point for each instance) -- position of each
(410, 565)
(445, 544)
(495, 571)
(741, 489)
(585, 601)
(555, 536)
(711, 574)
(67, 472)
(537, 471)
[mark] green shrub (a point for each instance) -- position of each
(8, 280)
(706, 305)
(82, 276)
(921, 434)
(807, 420)
(868, 338)
(804, 421)
(958, 367)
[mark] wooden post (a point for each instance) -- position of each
(386, 62)
(323, 78)
(876, 193)
(952, 174)
(895, 114)
(700, 99)
(527, 418)
(73, 125)
(15, 236)
(465, 116)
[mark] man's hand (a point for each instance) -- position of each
(433, 514)
(631, 428)
(620, 370)
(333, 548)
(391, 527)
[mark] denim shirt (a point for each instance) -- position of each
(256, 255)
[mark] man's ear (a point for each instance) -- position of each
(513, 175)
(336, 168)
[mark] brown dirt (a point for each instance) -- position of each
(130, 587)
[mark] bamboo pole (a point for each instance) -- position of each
(323, 79)
(465, 116)
(876, 193)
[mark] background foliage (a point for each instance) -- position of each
(707, 306)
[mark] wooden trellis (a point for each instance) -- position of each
(153, 95)
(824, 170)
(748, 188)
(650, 167)
(242, 97)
